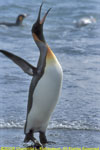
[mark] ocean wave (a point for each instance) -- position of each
(11, 124)
(74, 125)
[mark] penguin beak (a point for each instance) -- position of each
(37, 27)
(43, 19)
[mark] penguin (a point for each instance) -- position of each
(17, 23)
(85, 21)
(45, 85)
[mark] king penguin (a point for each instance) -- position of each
(18, 22)
(45, 86)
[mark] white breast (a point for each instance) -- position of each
(45, 98)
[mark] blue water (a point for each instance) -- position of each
(76, 119)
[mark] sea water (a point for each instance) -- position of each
(76, 119)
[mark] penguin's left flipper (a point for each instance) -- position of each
(24, 65)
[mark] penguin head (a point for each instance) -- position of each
(37, 28)
(20, 19)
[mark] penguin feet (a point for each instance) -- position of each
(37, 145)
(29, 137)
(43, 138)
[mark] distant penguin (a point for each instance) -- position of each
(85, 21)
(45, 86)
(17, 23)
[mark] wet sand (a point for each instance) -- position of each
(61, 137)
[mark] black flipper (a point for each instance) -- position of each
(24, 65)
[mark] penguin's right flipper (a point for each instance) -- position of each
(24, 65)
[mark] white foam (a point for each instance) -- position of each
(74, 125)
(11, 124)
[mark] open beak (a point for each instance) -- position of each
(43, 19)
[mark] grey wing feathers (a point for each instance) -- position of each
(24, 65)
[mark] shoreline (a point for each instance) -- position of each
(62, 138)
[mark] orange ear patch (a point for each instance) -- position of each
(35, 37)
(20, 18)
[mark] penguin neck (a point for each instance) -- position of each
(18, 22)
(39, 38)
(50, 58)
